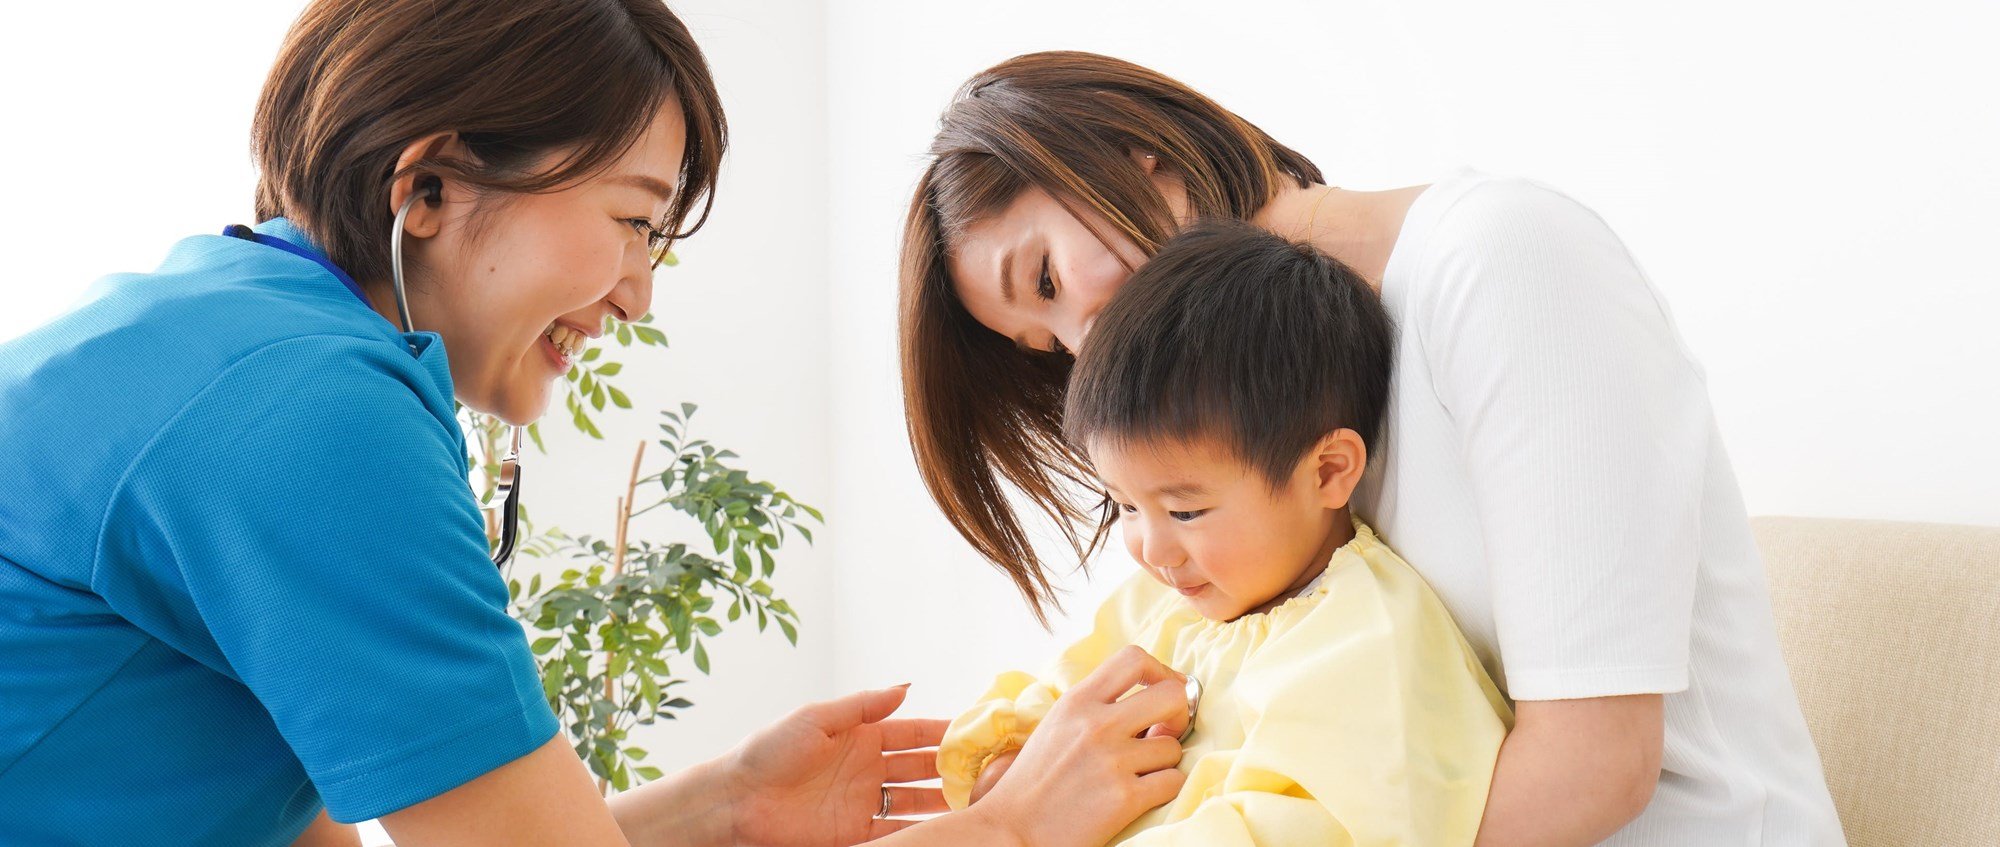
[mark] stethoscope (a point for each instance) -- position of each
(509, 487)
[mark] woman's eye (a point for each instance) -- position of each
(1187, 516)
(641, 226)
(1045, 287)
(1127, 509)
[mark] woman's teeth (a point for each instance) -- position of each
(568, 341)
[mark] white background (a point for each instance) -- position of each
(1811, 185)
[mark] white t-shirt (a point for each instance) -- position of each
(1552, 467)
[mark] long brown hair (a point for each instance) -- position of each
(980, 409)
(357, 81)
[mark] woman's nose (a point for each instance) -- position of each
(1072, 339)
(632, 297)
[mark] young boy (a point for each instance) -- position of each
(1227, 398)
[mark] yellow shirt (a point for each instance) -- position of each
(1352, 714)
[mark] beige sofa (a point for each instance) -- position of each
(1892, 631)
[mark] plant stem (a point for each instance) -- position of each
(625, 511)
(618, 567)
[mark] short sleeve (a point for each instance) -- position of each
(1585, 430)
(1010, 710)
(304, 525)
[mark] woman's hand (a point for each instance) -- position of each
(1086, 772)
(816, 776)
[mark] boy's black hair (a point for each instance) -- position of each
(1236, 334)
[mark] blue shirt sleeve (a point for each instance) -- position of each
(304, 525)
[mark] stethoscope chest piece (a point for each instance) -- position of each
(1194, 706)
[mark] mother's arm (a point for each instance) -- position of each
(1573, 771)
(1585, 430)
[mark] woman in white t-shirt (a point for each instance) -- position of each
(1551, 465)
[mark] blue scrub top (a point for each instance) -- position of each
(242, 574)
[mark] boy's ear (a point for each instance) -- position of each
(1338, 461)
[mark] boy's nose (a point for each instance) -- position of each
(1162, 554)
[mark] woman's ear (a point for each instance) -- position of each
(1167, 181)
(1338, 461)
(1145, 159)
(426, 216)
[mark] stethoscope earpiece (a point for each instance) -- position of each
(428, 188)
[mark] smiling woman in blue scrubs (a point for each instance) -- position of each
(244, 586)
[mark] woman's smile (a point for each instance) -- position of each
(564, 344)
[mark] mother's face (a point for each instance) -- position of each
(1038, 274)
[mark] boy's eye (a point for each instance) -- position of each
(1187, 516)
(1045, 287)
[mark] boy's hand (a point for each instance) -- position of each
(989, 776)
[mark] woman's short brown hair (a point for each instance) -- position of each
(979, 409)
(357, 81)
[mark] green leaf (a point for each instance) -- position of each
(542, 646)
(609, 369)
(588, 384)
(649, 773)
(791, 632)
(591, 354)
(618, 398)
(535, 433)
(624, 335)
(597, 397)
(701, 657)
(649, 691)
(552, 681)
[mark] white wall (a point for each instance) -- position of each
(1811, 185)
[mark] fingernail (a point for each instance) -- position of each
(904, 685)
